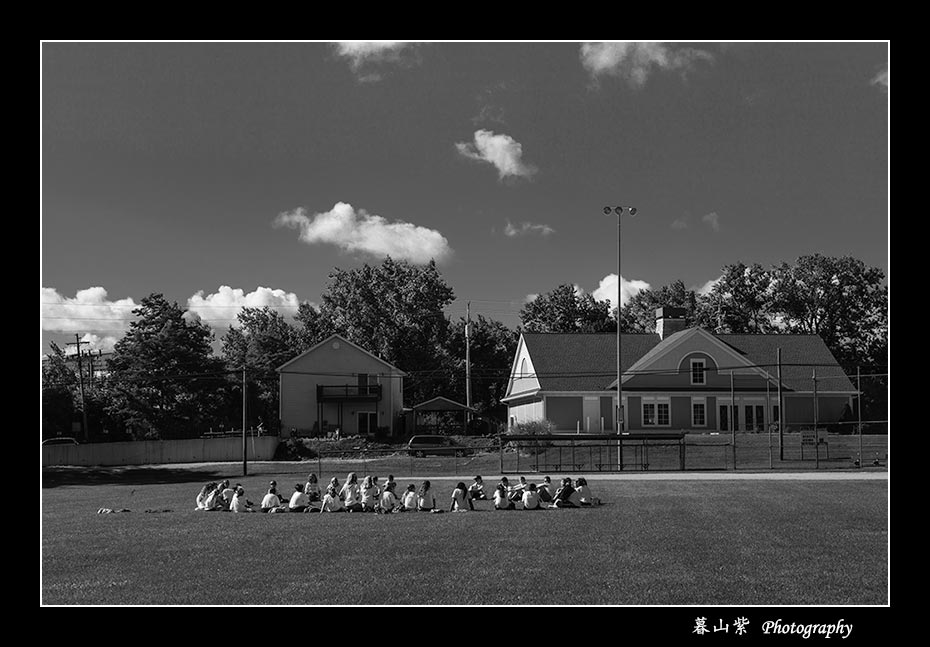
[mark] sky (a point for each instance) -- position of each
(231, 174)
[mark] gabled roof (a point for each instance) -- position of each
(345, 341)
(583, 361)
(588, 361)
(442, 404)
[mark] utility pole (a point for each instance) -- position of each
(467, 363)
(816, 434)
(77, 343)
(859, 409)
(733, 414)
(781, 412)
(245, 461)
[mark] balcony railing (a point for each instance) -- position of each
(336, 392)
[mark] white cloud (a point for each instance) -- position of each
(607, 289)
(883, 78)
(712, 220)
(526, 228)
(362, 55)
(530, 297)
(636, 61)
(709, 285)
(89, 309)
(94, 344)
(221, 308)
(359, 231)
(680, 223)
(502, 151)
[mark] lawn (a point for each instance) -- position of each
(653, 542)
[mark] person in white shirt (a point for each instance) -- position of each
(585, 498)
(227, 493)
(214, 500)
(350, 494)
(516, 492)
(312, 488)
(388, 500)
(476, 490)
(369, 495)
(331, 501)
(239, 503)
(270, 500)
(410, 499)
(426, 500)
(204, 493)
(299, 501)
(461, 502)
(531, 498)
(501, 501)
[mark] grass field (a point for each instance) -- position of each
(653, 542)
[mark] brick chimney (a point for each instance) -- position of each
(669, 321)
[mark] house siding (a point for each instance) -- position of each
(634, 412)
(565, 413)
(681, 413)
(607, 413)
(799, 409)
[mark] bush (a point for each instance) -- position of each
(531, 428)
(294, 449)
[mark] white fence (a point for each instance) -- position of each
(193, 450)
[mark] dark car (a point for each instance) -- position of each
(60, 441)
(437, 445)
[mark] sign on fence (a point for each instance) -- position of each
(812, 436)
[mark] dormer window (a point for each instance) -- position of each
(697, 371)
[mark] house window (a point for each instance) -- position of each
(750, 422)
(697, 371)
(656, 414)
(522, 368)
(698, 414)
(775, 413)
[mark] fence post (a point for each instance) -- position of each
(816, 434)
(859, 408)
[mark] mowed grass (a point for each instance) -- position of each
(653, 542)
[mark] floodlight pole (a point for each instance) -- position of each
(618, 210)
(245, 464)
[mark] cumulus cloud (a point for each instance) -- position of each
(883, 78)
(89, 309)
(502, 151)
(709, 285)
(221, 308)
(712, 220)
(531, 297)
(94, 344)
(607, 289)
(634, 62)
(680, 223)
(363, 55)
(359, 231)
(526, 228)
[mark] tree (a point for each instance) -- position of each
(395, 311)
(261, 343)
(740, 302)
(567, 309)
(492, 348)
(58, 393)
(165, 381)
(639, 314)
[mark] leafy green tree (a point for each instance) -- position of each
(395, 311)
(492, 348)
(165, 381)
(59, 384)
(567, 309)
(261, 343)
(740, 302)
(312, 327)
(639, 314)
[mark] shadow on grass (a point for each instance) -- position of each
(58, 476)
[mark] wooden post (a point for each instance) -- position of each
(859, 408)
(781, 412)
(816, 435)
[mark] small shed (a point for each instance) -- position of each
(440, 416)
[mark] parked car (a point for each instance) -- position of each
(420, 446)
(63, 440)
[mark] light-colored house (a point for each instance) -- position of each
(676, 379)
(339, 385)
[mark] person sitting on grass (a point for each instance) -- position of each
(585, 498)
(546, 490)
(239, 503)
(476, 490)
(271, 500)
(501, 501)
(566, 497)
(388, 501)
(426, 499)
(214, 500)
(369, 495)
(409, 500)
(516, 492)
(351, 494)
(227, 493)
(312, 488)
(331, 501)
(204, 493)
(531, 500)
(299, 501)
(377, 486)
(461, 502)
(391, 482)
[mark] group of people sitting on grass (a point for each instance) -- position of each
(370, 496)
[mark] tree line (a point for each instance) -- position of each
(165, 381)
